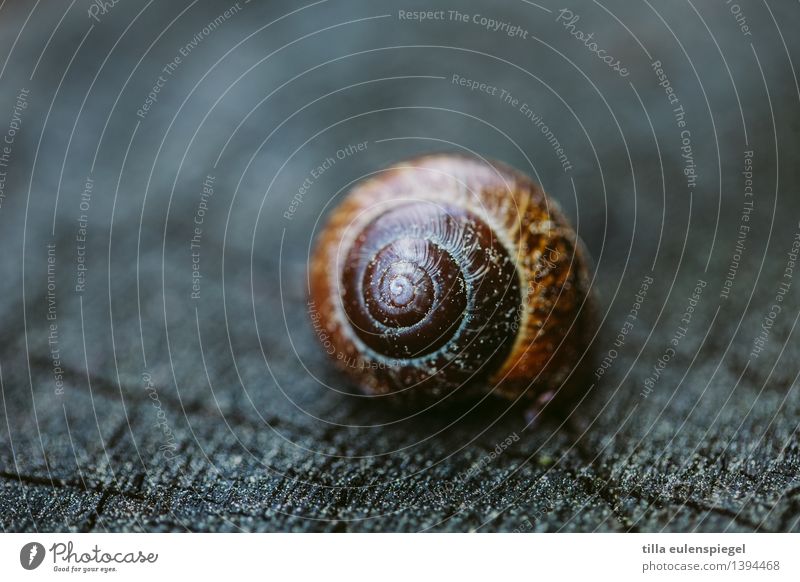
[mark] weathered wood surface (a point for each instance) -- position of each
(213, 414)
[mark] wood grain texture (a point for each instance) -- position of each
(222, 414)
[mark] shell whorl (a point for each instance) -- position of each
(424, 277)
(431, 288)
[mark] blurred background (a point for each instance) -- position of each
(157, 207)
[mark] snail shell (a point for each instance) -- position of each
(448, 273)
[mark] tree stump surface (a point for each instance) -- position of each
(221, 413)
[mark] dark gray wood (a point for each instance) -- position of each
(239, 432)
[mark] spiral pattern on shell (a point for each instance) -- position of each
(448, 273)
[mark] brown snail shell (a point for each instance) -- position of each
(449, 273)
